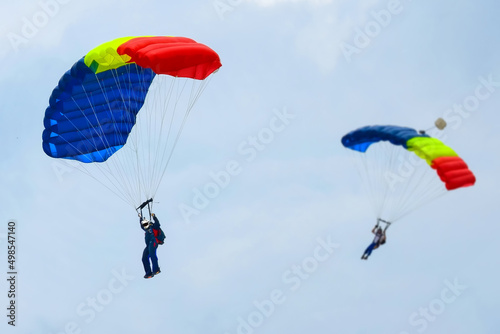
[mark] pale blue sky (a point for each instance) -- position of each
(299, 193)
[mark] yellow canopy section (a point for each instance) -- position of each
(429, 148)
(105, 57)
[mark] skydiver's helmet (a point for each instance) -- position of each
(146, 223)
(379, 230)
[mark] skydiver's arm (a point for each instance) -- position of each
(156, 224)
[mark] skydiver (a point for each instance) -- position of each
(378, 240)
(151, 246)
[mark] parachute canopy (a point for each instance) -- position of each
(98, 102)
(452, 170)
(94, 107)
(390, 174)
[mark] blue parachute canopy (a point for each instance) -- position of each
(90, 115)
(362, 138)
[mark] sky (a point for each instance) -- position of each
(276, 249)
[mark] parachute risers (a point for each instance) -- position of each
(387, 224)
(143, 205)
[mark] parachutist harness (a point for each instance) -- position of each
(157, 231)
(381, 241)
(149, 204)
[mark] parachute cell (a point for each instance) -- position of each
(91, 115)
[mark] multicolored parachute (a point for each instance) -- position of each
(125, 103)
(396, 180)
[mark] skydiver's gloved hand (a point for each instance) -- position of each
(152, 214)
(140, 216)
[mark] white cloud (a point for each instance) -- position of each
(328, 27)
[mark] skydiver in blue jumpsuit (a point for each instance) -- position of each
(151, 246)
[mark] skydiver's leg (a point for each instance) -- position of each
(152, 254)
(145, 261)
(369, 250)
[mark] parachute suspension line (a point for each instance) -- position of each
(387, 224)
(150, 151)
(196, 92)
(122, 164)
(413, 180)
(394, 195)
(420, 187)
(397, 181)
(83, 168)
(132, 152)
(142, 133)
(150, 131)
(121, 185)
(413, 191)
(385, 158)
(164, 162)
(371, 169)
(155, 135)
(399, 197)
(99, 131)
(115, 163)
(136, 157)
(164, 108)
(428, 189)
(112, 189)
(362, 170)
(150, 128)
